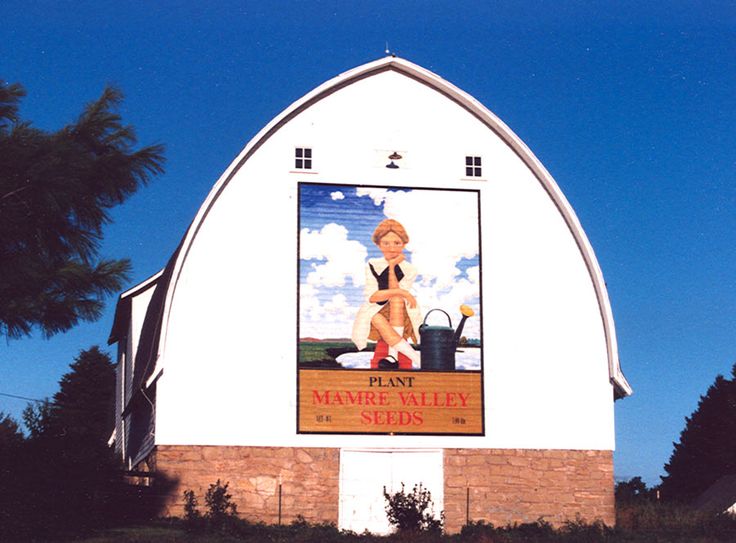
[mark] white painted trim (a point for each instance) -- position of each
(155, 374)
(143, 285)
(391, 449)
(479, 111)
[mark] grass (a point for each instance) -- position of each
(641, 523)
(162, 533)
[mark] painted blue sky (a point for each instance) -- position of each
(336, 224)
(630, 106)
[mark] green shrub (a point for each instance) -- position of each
(221, 510)
(583, 532)
(668, 520)
(219, 503)
(577, 531)
(192, 516)
(413, 512)
(477, 531)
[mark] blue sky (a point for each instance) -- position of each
(629, 105)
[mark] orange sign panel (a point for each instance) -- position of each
(390, 402)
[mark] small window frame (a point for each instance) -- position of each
(473, 166)
(303, 158)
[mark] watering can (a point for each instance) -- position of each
(439, 342)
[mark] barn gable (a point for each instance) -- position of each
(272, 270)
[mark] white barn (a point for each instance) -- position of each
(236, 361)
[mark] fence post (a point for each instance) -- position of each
(279, 504)
(467, 506)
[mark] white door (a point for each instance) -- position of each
(365, 473)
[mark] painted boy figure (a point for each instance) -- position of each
(389, 315)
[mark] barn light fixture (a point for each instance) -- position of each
(393, 156)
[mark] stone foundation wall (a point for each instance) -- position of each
(309, 479)
(506, 486)
(501, 486)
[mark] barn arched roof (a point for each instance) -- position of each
(168, 282)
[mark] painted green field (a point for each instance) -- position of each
(320, 354)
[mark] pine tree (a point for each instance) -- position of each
(11, 443)
(67, 477)
(707, 447)
(10, 435)
(83, 410)
(56, 190)
(633, 491)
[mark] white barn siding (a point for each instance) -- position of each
(230, 333)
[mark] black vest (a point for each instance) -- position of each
(382, 278)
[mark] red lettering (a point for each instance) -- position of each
(434, 399)
(391, 418)
(351, 397)
(317, 399)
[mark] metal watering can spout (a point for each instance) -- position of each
(466, 311)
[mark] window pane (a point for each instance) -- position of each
(477, 172)
(477, 161)
(307, 164)
(299, 152)
(298, 163)
(468, 160)
(469, 172)
(307, 153)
